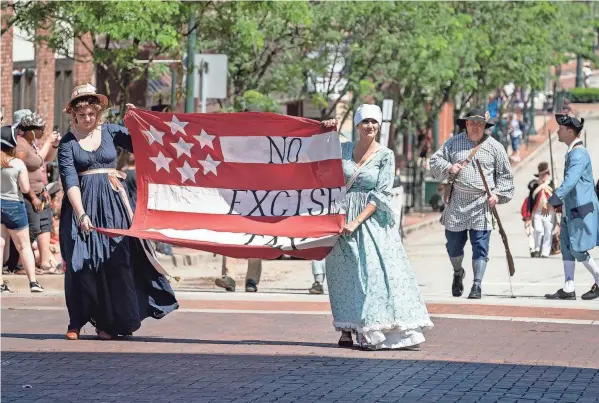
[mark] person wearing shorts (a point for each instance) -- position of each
(13, 215)
(37, 200)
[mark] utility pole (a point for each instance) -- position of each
(191, 51)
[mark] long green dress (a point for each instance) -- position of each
(372, 287)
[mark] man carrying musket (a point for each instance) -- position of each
(468, 212)
(578, 203)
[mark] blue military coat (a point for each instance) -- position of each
(580, 210)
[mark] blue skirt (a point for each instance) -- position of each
(109, 282)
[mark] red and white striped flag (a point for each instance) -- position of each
(246, 185)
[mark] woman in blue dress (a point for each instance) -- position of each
(372, 287)
(113, 283)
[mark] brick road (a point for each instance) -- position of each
(273, 357)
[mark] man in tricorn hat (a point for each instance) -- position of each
(468, 209)
(578, 202)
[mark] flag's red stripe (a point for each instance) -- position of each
(300, 227)
(235, 251)
(230, 124)
(311, 175)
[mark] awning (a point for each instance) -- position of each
(160, 85)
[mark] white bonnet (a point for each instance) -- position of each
(368, 111)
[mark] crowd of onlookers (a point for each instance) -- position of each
(31, 199)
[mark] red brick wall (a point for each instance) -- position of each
(45, 69)
(83, 68)
(445, 122)
(6, 82)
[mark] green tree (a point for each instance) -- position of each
(263, 41)
(120, 32)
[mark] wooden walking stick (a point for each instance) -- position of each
(508, 253)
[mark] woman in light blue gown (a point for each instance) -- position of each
(372, 287)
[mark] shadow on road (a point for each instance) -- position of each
(150, 339)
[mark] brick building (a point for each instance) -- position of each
(35, 77)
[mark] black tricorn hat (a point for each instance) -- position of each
(476, 115)
(569, 121)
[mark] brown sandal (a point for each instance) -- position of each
(73, 334)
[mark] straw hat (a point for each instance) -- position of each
(85, 90)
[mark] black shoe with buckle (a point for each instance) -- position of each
(561, 294)
(457, 287)
(475, 292)
(594, 293)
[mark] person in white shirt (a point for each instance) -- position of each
(515, 134)
(14, 182)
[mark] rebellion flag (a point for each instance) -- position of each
(246, 185)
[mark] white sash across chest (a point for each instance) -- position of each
(354, 177)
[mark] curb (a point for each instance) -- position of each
(420, 225)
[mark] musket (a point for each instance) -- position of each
(508, 254)
(550, 148)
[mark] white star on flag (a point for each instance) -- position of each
(153, 135)
(205, 139)
(187, 172)
(182, 147)
(177, 126)
(209, 165)
(162, 162)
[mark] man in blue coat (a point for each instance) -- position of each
(578, 203)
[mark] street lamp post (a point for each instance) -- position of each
(191, 51)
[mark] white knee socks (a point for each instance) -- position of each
(591, 266)
(569, 266)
